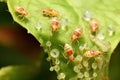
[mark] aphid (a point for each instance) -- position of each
(55, 23)
(76, 34)
(50, 12)
(69, 52)
(92, 53)
(94, 25)
(21, 11)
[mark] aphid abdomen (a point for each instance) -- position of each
(69, 53)
(68, 50)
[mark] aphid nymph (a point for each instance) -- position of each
(69, 51)
(92, 53)
(21, 11)
(76, 34)
(94, 25)
(55, 23)
(50, 12)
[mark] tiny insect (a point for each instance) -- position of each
(21, 11)
(50, 12)
(77, 33)
(55, 23)
(92, 53)
(94, 25)
(69, 52)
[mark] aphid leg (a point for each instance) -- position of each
(68, 62)
(71, 59)
(64, 55)
(78, 42)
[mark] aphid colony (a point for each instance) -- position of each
(82, 59)
(55, 23)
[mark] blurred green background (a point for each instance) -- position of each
(17, 47)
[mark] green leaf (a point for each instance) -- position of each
(73, 13)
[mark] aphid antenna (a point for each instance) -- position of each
(60, 45)
(63, 52)
(68, 62)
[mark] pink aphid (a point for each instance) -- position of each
(21, 11)
(69, 52)
(76, 34)
(94, 25)
(55, 23)
(50, 12)
(92, 53)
